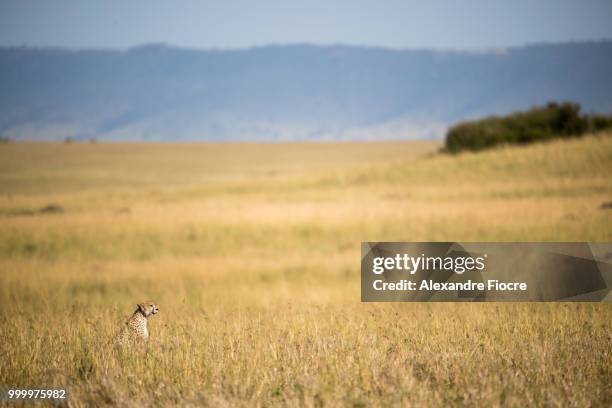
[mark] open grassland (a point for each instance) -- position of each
(252, 254)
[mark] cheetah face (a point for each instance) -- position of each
(148, 308)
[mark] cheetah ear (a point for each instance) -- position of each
(141, 307)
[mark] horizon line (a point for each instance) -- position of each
(491, 49)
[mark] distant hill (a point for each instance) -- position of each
(293, 92)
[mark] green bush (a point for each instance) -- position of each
(600, 122)
(538, 124)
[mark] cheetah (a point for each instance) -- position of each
(135, 328)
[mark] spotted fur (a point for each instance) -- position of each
(135, 328)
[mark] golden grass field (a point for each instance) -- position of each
(252, 253)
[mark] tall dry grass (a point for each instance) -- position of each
(252, 254)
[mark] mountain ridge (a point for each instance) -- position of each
(286, 92)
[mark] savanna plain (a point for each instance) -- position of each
(252, 253)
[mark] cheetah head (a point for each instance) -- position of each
(148, 308)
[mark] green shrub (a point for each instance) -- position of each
(600, 122)
(538, 124)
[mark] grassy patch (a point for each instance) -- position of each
(252, 254)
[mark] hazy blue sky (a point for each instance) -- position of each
(236, 23)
